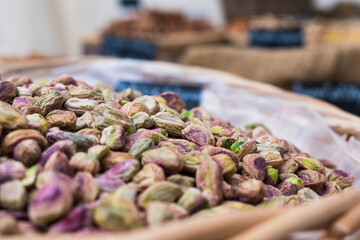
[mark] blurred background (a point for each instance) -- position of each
(307, 46)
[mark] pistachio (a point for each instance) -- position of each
(209, 181)
(342, 178)
(113, 136)
(108, 182)
(11, 118)
(192, 200)
(131, 108)
(106, 91)
(255, 166)
(236, 179)
(148, 175)
(127, 192)
(59, 162)
(201, 113)
(125, 169)
(47, 103)
(272, 191)
(11, 170)
(85, 121)
(271, 176)
(82, 142)
(38, 122)
(99, 151)
(64, 79)
(306, 196)
(290, 186)
(228, 167)
(45, 177)
(164, 108)
(212, 151)
(329, 188)
(243, 146)
(171, 123)
(129, 94)
(173, 100)
(7, 91)
(83, 92)
(116, 214)
(251, 191)
(280, 201)
(80, 106)
(65, 146)
(27, 151)
(193, 160)
(77, 219)
(288, 166)
(183, 145)
(159, 212)
(141, 146)
(8, 224)
(85, 162)
(30, 176)
(91, 131)
(199, 135)
(153, 135)
(310, 164)
(142, 120)
(13, 195)
(65, 120)
(150, 102)
(170, 160)
(312, 179)
(88, 188)
(20, 80)
(113, 158)
(225, 142)
(51, 202)
(106, 115)
(160, 191)
(182, 180)
(272, 157)
(20, 102)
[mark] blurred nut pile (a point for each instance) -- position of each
(150, 22)
(80, 158)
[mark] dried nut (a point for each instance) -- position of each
(105, 90)
(172, 124)
(160, 131)
(153, 135)
(51, 202)
(14, 137)
(77, 219)
(272, 157)
(88, 188)
(229, 191)
(306, 196)
(36, 87)
(173, 100)
(272, 191)
(81, 161)
(49, 102)
(109, 183)
(20, 80)
(193, 160)
(218, 150)
(20, 102)
(255, 166)
(250, 191)
(219, 131)
(288, 166)
(125, 169)
(8, 224)
(80, 106)
(201, 113)
(312, 179)
(164, 108)
(59, 162)
(65, 146)
(236, 179)
(132, 108)
(209, 181)
(85, 121)
(142, 120)
(91, 131)
(10, 117)
(192, 200)
(228, 167)
(38, 122)
(195, 121)
(64, 79)
(279, 202)
(7, 91)
(83, 92)
(113, 158)
(30, 176)
(225, 142)
(310, 164)
(199, 135)
(11, 170)
(21, 91)
(243, 146)
(159, 212)
(150, 103)
(274, 146)
(170, 160)
(329, 188)
(105, 115)
(13, 195)
(127, 192)
(141, 146)
(65, 120)
(160, 191)
(342, 178)
(113, 136)
(45, 177)
(290, 186)
(28, 152)
(271, 176)
(129, 94)
(183, 145)
(183, 181)
(82, 142)
(116, 214)
(148, 175)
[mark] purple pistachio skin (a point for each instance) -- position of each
(125, 169)
(64, 79)
(255, 166)
(342, 178)
(64, 146)
(199, 135)
(108, 182)
(288, 188)
(173, 100)
(327, 163)
(219, 150)
(59, 162)
(79, 218)
(22, 101)
(11, 170)
(329, 188)
(272, 191)
(82, 141)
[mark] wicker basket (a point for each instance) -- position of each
(258, 224)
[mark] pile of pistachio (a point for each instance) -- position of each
(80, 158)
